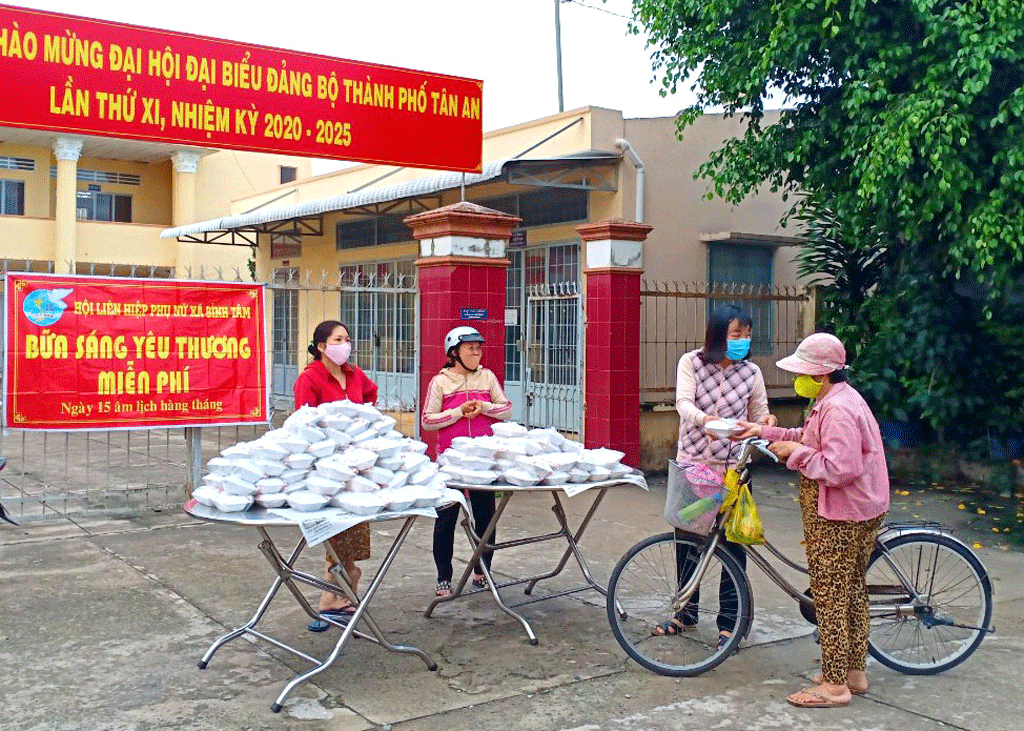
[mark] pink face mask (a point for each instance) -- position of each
(338, 353)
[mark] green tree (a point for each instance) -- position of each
(903, 130)
(908, 113)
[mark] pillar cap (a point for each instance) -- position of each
(614, 229)
(186, 161)
(462, 219)
(67, 148)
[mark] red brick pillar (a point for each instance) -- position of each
(461, 274)
(613, 267)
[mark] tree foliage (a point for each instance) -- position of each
(922, 353)
(903, 131)
(909, 112)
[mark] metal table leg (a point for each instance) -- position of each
(288, 576)
(479, 546)
(274, 587)
(573, 540)
(482, 544)
(361, 613)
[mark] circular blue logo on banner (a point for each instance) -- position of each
(45, 306)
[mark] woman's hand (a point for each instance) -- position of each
(768, 420)
(749, 430)
(475, 408)
(783, 450)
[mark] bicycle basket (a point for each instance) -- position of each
(697, 491)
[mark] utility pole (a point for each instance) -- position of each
(558, 52)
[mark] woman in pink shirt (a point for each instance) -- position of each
(463, 400)
(844, 495)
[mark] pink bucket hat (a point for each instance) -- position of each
(816, 355)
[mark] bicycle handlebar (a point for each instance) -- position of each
(748, 445)
(762, 446)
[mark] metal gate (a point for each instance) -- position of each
(553, 357)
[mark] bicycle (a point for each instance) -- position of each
(930, 597)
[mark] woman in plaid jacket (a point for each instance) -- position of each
(716, 382)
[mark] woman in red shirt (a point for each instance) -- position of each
(330, 377)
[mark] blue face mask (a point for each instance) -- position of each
(737, 349)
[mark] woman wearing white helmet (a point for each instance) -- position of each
(463, 400)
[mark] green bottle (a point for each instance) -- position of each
(704, 505)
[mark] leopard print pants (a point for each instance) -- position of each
(352, 544)
(837, 559)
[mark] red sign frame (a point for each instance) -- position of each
(119, 353)
(70, 74)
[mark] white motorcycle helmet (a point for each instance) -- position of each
(463, 334)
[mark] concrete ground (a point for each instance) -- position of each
(103, 621)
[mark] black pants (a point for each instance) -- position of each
(728, 606)
(482, 504)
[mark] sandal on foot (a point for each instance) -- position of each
(671, 628)
(723, 639)
(443, 588)
(338, 615)
(816, 700)
(819, 679)
(479, 581)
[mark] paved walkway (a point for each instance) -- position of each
(103, 621)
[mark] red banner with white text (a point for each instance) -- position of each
(69, 74)
(118, 353)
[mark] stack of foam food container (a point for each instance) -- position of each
(518, 456)
(338, 454)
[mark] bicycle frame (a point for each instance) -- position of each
(763, 563)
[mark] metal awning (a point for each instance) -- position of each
(592, 170)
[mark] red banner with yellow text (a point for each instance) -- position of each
(118, 353)
(69, 74)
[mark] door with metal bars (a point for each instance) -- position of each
(543, 353)
(379, 302)
(284, 337)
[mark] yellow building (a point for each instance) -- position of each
(564, 169)
(102, 202)
(335, 246)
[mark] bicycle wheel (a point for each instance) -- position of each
(642, 592)
(946, 623)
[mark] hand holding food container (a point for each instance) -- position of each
(723, 428)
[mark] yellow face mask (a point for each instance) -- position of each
(807, 387)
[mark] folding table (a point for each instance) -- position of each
(564, 532)
(287, 575)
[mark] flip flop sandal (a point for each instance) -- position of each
(671, 628)
(855, 691)
(480, 582)
(338, 615)
(820, 700)
(443, 589)
(723, 640)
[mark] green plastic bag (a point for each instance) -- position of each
(744, 524)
